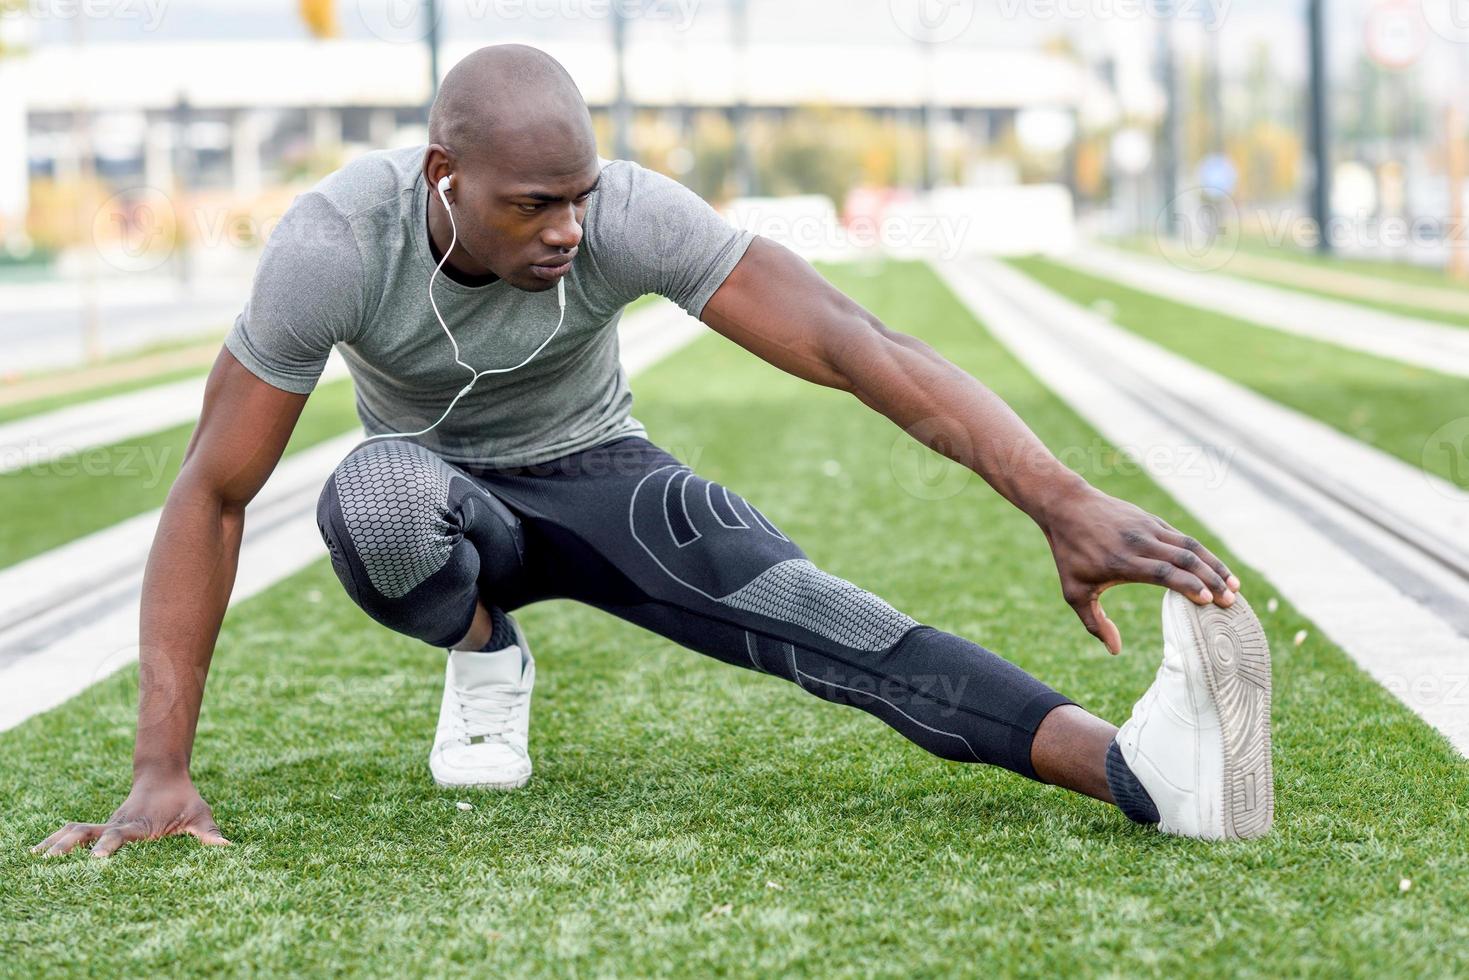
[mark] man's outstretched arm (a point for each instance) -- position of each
(242, 431)
(775, 305)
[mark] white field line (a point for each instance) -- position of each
(1423, 343)
(1348, 283)
(77, 428)
(69, 617)
(1215, 448)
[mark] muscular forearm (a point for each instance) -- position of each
(186, 588)
(954, 414)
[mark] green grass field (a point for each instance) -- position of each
(1404, 272)
(688, 818)
(75, 385)
(20, 410)
(56, 502)
(1389, 273)
(1393, 406)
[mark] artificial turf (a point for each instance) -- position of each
(51, 403)
(688, 818)
(1390, 273)
(51, 503)
(1394, 406)
(79, 384)
(1405, 272)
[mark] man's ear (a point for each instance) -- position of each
(438, 163)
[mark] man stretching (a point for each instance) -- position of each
(538, 483)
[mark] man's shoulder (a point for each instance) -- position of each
(624, 178)
(630, 196)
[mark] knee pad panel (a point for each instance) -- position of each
(799, 593)
(393, 498)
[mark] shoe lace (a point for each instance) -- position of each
(488, 716)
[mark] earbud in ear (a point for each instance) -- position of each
(444, 184)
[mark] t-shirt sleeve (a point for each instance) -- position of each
(307, 296)
(652, 234)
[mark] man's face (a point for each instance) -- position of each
(523, 221)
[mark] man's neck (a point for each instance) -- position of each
(456, 274)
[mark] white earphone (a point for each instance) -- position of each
(443, 187)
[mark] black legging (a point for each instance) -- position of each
(627, 528)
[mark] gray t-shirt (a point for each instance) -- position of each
(349, 264)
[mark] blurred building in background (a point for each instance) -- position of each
(158, 138)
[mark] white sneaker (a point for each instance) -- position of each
(484, 720)
(1199, 739)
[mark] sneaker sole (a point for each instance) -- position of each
(1236, 659)
(502, 787)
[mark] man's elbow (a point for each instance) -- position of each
(870, 353)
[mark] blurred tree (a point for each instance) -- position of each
(823, 150)
(9, 8)
(713, 173)
(320, 17)
(1268, 158)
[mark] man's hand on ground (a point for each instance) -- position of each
(1100, 541)
(152, 810)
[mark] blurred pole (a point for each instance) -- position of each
(15, 178)
(183, 170)
(431, 11)
(1168, 144)
(621, 108)
(744, 160)
(1458, 147)
(1456, 241)
(85, 217)
(931, 162)
(1320, 138)
(1213, 83)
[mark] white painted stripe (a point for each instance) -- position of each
(52, 435)
(1120, 383)
(46, 657)
(1400, 338)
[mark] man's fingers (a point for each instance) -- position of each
(112, 838)
(1159, 571)
(208, 833)
(1094, 618)
(51, 838)
(1190, 562)
(70, 836)
(1180, 540)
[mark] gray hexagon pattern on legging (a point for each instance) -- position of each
(799, 593)
(394, 498)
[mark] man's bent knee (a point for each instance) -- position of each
(410, 538)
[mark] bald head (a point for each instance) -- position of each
(511, 143)
(511, 102)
